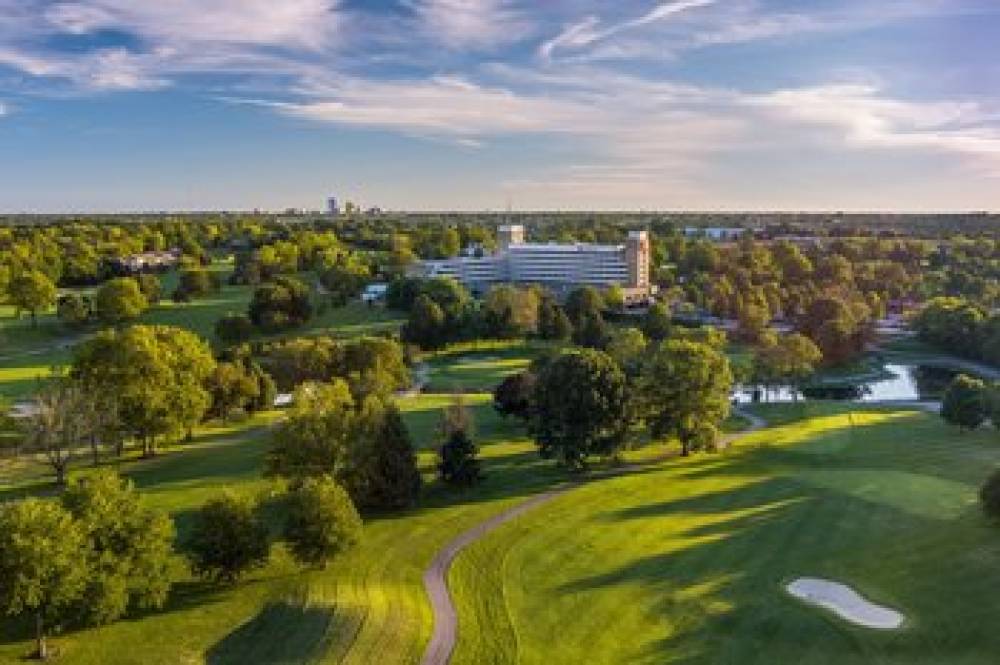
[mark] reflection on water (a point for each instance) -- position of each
(907, 383)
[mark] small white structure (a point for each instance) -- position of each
(283, 400)
(375, 292)
(845, 602)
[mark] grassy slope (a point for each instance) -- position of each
(367, 607)
(685, 564)
(472, 367)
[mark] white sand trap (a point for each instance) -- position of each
(845, 602)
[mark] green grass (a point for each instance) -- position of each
(367, 607)
(685, 563)
(479, 367)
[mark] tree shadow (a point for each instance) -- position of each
(282, 632)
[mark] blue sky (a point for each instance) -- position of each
(481, 104)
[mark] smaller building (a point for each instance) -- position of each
(715, 233)
(332, 206)
(374, 292)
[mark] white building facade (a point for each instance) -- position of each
(559, 267)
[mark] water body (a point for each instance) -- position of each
(907, 383)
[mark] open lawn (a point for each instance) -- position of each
(480, 367)
(685, 562)
(368, 607)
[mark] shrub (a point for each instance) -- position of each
(458, 463)
(989, 495)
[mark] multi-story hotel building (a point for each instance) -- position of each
(559, 267)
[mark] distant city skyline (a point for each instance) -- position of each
(682, 105)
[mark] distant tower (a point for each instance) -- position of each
(332, 206)
(509, 234)
(637, 258)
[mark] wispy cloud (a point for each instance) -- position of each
(471, 24)
(589, 31)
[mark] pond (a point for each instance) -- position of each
(906, 383)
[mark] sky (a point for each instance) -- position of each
(826, 105)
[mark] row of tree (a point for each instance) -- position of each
(587, 402)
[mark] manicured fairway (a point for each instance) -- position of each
(368, 607)
(480, 369)
(684, 563)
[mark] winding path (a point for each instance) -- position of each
(442, 641)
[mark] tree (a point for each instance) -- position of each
(510, 312)
(426, 325)
(626, 347)
(685, 390)
(964, 403)
(614, 298)
(120, 300)
(59, 424)
(989, 495)
(31, 291)
(372, 366)
(234, 328)
(457, 417)
(553, 324)
(458, 462)
(591, 331)
(74, 310)
(156, 373)
(512, 396)
(791, 359)
(315, 439)
(195, 283)
(583, 303)
(232, 386)
(151, 287)
(322, 522)
(281, 304)
(228, 538)
(43, 555)
(580, 408)
(129, 547)
(657, 322)
(382, 471)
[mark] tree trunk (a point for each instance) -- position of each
(60, 469)
(93, 449)
(685, 449)
(42, 652)
(34, 319)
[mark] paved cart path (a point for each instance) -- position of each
(442, 642)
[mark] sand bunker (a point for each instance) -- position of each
(844, 601)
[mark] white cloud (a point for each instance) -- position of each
(288, 23)
(588, 31)
(864, 118)
(471, 24)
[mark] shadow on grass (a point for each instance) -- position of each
(283, 632)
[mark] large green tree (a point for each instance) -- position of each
(281, 304)
(129, 547)
(322, 522)
(43, 563)
(685, 390)
(120, 300)
(156, 373)
(315, 439)
(580, 408)
(31, 291)
(229, 538)
(382, 468)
